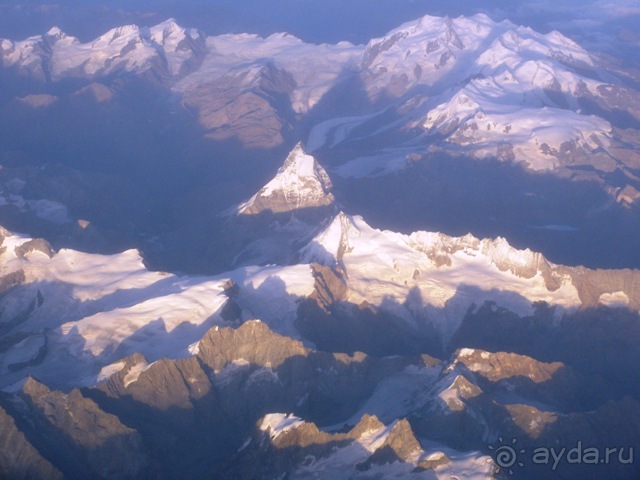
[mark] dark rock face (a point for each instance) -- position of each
(550, 383)
(252, 362)
(193, 413)
(334, 324)
(175, 410)
(254, 342)
(198, 415)
(591, 284)
(78, 436)
(330, 287)
(19, 459)
(252, 107)
(433, 463)
(11, 280)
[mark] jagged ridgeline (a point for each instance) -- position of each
(337, 320)
(358, 350)
(462, 124)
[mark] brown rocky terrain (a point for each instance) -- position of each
(252, 107)
(207, 413)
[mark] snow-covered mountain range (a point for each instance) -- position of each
(107, 324)
(467, 85)
(315, 338)
(487, 89)
(69, 305)
(56, 56)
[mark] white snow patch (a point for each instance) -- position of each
(278, 423)
(371, 440)
(194, 348)
(466, 352)
(450, 396)
(224, 376)
(109, 370)
(615, 299)
(134, 373)
(435, 456)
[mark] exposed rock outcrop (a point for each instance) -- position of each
(253, 342)
(19, 459)
(35, 245)
(400, 445)
(83, 438)
(252, 106)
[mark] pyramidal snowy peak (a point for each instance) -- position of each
(301, 183)
(272, 225)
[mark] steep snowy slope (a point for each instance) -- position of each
(441, 277)
(475, 87)
(435, 52)
(66, 315)
(299, 184)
